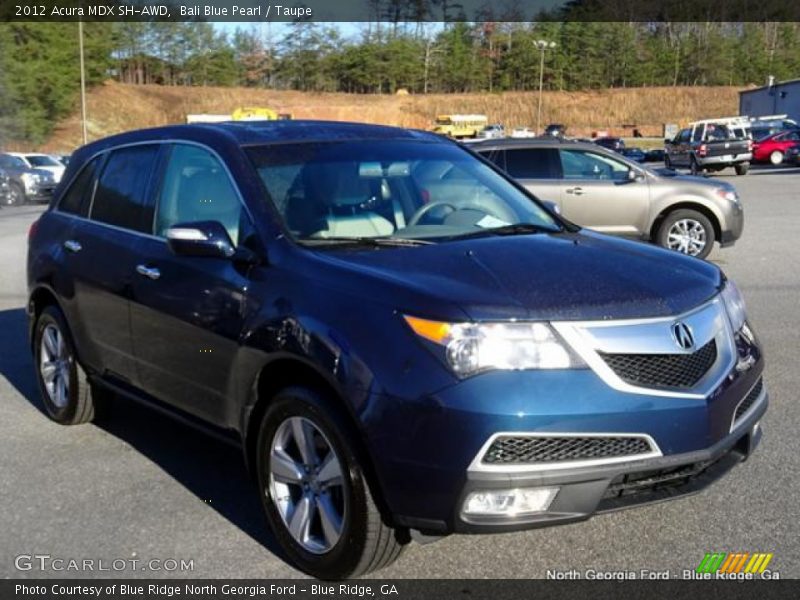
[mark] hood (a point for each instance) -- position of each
(55, 171)
(670, 176)
(569, 276)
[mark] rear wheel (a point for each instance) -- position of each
(742, 168)
(69, 398)
(694, 168)
(687, 231)
(314, 491)
(776, 157)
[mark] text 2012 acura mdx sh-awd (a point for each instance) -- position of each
(403, 340)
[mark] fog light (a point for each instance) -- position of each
(509, 503)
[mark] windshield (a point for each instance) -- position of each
(389, 189)
(42, 161)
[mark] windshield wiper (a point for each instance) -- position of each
(515, 229)
(376, 242)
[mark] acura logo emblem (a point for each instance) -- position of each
(683, 336)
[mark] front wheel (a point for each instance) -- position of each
(688, 232)
(16, 195)
(314, 492)
(742, 168)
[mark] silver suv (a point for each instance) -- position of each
(603, 190)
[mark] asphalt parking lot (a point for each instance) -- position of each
(141, 486)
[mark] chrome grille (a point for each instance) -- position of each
(546, 449)
(663, 370)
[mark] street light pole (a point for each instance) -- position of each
(83, 83)
(542, 45)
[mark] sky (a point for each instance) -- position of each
(277, 30)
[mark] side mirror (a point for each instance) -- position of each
(552, 206)
(200, 238)
(634, 175)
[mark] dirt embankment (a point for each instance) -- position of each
(116, 107)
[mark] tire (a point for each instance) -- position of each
(362, 542)
(687, 221)
(776, 157)
(69, 398)
(694, 168)
(16, 195)
(742, 168)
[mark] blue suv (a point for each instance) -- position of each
(404, 342)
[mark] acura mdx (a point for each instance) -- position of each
(404, 342)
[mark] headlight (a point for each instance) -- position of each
(728, 194)
(30, 178)
(734, 304)
(470, 348)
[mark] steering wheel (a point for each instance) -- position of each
(426, 208)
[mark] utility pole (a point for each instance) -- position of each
(542, 45)
(83, 84)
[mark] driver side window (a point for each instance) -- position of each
(196, 187)
(577, 164)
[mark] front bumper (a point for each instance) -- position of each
(732, 226)
(588, 490)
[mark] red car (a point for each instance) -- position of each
(773, 148)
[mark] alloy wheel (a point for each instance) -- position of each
(306, 484)
(15, 196)
(54, 366)
(687, 236)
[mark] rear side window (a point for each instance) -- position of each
(121, 196)
(79, 195)
(532, 163)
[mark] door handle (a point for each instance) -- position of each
(72, 246)
(578, 191)
(150, 273)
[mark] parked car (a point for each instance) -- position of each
(654, 155)
(555, 130)
(772, 148)
(492, 131)
(709, 146)
(5, 188)
(27, 184)
(611, 143)
(404, 342)
(634, 154)
(602, 190)
(43, 162)
(523, 132)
